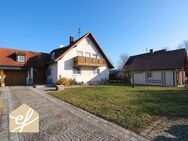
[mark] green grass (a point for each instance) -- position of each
(132, 108)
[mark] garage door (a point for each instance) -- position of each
(15, 78)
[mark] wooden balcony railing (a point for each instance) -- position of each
(87, 61)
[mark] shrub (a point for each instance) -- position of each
(73, 82)
(67, 82)
(64, 81)
(80, 83)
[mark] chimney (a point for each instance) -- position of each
(151, 51)
(71, 39)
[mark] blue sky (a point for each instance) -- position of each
(120, 26)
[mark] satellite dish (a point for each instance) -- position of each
(61, 46)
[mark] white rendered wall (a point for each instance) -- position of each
(169, 78)
(65, 65)
(52, 78)
(29, 79)
(140, 78)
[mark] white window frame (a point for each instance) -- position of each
(87, 53)
(79, 53)
(94, 55)
(148, 75)
(76, 70)
(97, 71)
(21, 58)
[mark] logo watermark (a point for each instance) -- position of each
(24, 119)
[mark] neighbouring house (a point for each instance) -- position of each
(23, 67)
(164, 68)
(82, 60)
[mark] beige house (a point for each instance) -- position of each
(164, 68)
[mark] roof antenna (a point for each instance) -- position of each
(79, 32)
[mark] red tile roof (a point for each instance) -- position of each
(8, 58)
(158, 60)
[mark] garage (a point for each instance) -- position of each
(15, 77)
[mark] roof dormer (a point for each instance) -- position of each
(20, 57)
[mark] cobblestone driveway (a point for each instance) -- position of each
(59, 121)
(167, 129)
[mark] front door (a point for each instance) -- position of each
(39, 76)
(163, 78)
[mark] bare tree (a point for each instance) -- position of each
(184, 45)
(122, 60)
(130, 70)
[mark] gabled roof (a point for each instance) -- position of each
(35, 59)
(158, 60)
(60, 52)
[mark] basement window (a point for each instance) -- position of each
(20, 58)
(96, 71)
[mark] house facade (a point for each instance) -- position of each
(82, 60)
(23, 67)
(162, 68)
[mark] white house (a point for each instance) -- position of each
(82, 60)
(164, 68)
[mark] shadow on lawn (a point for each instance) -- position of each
(162, 92)
(175, 133)
(170, 103)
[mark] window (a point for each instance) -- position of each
(87, 54)
(76, 70)
(148, 75)
(94, 55)
(53, 56)
(21, 58)
(80, 53)
(96, 71)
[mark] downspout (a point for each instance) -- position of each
(173, 78)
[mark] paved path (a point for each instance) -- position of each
(167, 129)
(59, 121)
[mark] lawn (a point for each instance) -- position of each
(132, 108)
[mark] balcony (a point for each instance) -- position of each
(88, 62)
